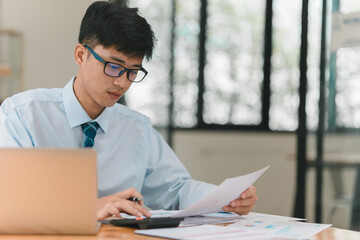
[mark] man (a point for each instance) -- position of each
(133, 159)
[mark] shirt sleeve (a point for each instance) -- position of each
(168, 185)
(12, 130)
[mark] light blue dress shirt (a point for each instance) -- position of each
(131, 153)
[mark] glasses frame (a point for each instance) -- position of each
(121, 72)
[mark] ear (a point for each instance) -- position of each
(80, 54)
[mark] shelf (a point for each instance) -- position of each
(5, 69)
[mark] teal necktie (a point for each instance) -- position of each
(89, 129)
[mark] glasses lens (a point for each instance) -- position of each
(136, 75)
(114, 70)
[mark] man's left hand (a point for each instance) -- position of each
(244, 204)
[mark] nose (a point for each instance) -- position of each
(121, 81)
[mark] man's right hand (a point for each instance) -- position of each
(114, 204)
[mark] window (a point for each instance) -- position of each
(186, 67)
(151, 96)
(233, 71)
(348, 87)
(345, 85)
(234, 62)
(285, 65)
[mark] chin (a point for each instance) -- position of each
(110, 104)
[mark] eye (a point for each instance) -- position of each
(114, 66)
(134, 71)
(114, 70)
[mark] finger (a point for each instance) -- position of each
(113, 211)
(241, 206)
(243, 202)
(101, 215)
(142, 210)
(129, 193)
(108, 211)
(130, 208)
(249, 192)
(242, 210)
(246, 205)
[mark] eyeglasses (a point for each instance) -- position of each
(116, 70)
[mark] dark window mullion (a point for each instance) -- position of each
(300, 203)
(267, 66)
(171, 74)
(202, 59)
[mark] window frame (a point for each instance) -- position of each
(265, 92)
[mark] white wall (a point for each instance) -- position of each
(50, 30)
(1, 12)
(213, 156)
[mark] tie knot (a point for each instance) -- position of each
(89, 129)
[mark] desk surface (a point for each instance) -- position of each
(108, 232)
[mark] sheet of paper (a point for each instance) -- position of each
(208, 232)
(262, 227)
(212, 218)
(163, 213)
(279, 225)
(298, 230)
(228, 190)
(263, 217)
(154, 214)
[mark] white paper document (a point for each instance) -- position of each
(262, 219)
(280, 226)
(212, 218)
(252, 226)
(208, 232)
(228, 190)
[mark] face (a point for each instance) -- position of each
(94, 89)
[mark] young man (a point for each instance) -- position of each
(133, 159)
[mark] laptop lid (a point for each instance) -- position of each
(48, 191)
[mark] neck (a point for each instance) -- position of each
(89, 105)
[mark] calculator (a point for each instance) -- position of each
(146, 223)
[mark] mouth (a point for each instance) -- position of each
(114, 95)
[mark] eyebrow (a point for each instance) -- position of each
(122, 61)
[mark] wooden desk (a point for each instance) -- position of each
(108, 232)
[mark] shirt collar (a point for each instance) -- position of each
(76, 114)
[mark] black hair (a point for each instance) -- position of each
(114, 24)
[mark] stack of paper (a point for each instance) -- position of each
(252, 226)
(213, 203)
(214, 218)
(280, 226)
(207, 232)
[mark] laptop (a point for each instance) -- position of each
(48, 191)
